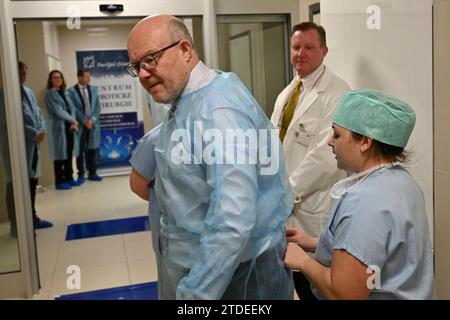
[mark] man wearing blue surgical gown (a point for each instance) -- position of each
(222, 233)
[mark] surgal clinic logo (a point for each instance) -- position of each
(235, 146)
(89, 62)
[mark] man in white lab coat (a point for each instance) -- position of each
(303, 113)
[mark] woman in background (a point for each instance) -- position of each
(62, 129)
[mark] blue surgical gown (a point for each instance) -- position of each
(222, 230)
(382, 222)
(33, 121)
(143, 161)
(57, 119)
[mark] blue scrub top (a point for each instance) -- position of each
(382, 222)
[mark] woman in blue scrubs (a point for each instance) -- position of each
(376, 244)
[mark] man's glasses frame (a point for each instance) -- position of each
(148, 63)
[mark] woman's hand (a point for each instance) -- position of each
(74, 127)
(295, 257)
(40, 137)
(295, 235)
(298, 237)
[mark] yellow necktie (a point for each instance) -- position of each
(289, 110)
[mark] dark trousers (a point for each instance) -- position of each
(86, 155)
(303, 287)
(33, 186)
(63, 168)
(10, 202)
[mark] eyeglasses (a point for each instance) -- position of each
(148, 63)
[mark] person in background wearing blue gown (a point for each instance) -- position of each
(222, 233)
(62, 129)
(34, 126)
(376, 244)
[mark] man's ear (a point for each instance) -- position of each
(324, 51)
(186, 49)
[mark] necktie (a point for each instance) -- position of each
(172, 110)
(87, 104)
(289, 110)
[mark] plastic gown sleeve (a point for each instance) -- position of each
(79, 114)
(230, 219)
(32, 129)
(96, 109)
(306, 178)
(143, 158)
(54, 106)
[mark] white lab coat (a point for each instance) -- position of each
(310, 163)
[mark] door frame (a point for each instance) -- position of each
(25, 282)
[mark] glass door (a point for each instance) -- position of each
(18, 262)
(256, 48)
(9, 246)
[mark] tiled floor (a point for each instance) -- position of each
(104, 262)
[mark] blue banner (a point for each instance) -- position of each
(121, 119)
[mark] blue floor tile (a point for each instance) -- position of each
(107, 228)
(143, 291)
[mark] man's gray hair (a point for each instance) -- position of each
(178, 31)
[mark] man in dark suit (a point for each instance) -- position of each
(87, 105)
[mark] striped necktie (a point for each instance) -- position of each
(289, 110)
(87, 103)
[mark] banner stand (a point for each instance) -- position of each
(121, 118)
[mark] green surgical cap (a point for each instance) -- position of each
(376, 115)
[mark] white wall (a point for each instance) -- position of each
(51, 40)
(397, 58)
(304, 9)
(442, 145)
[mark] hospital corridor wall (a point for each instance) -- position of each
(441, 80)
